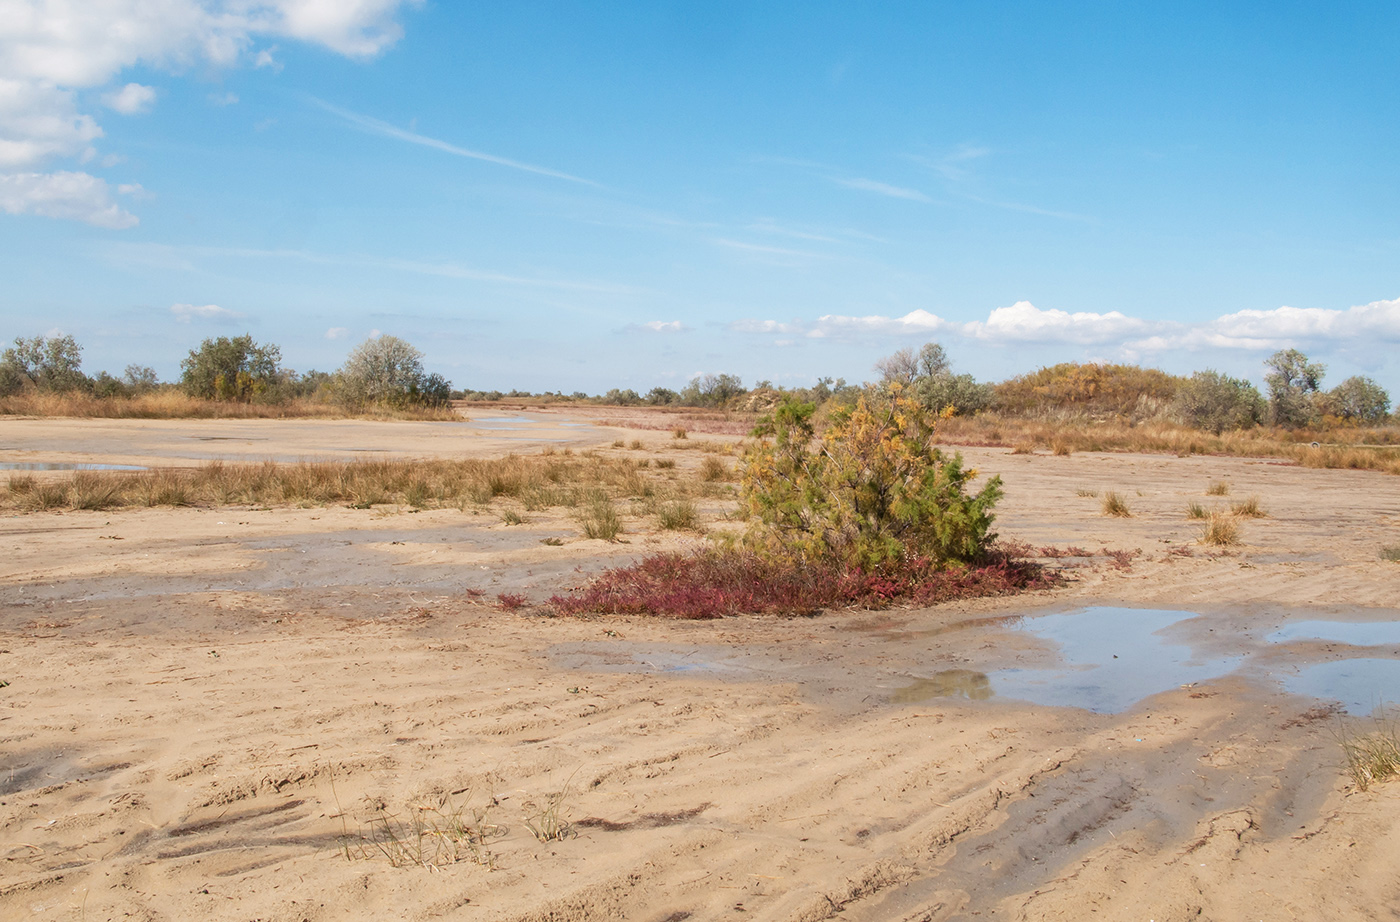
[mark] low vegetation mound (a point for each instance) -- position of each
(870, 514)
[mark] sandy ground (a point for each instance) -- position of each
(212, 713)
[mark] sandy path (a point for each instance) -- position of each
(206, 706)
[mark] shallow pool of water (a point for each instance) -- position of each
(1356, 633)
(1112, 658)
(1362, 685)
(65, 466)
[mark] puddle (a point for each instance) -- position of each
(1356, 633)
(1361, 685)
(65, 466)
(950, 683)
(1115, 657)
(506, 419)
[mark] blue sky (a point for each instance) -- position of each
(582, 196)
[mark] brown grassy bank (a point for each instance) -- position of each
(1375, 449)
(177, 405)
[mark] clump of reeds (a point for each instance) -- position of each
(430, 835)
(677, 515)
(1221, 529)
(1373, 756)
(1248, 508)
(599, 519)
(712, 470)
(1114, 504)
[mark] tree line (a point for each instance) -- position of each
(386, 371)
(383, 371)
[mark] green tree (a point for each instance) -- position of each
(712, 390)
(52, 363)
(1359, 399)
(1293, 385)
(1215, 402)
(927, 376)
(231, 369)
(872, 490)
(388, 371)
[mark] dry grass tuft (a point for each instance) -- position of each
(1116, 505)
(1220, 530)
(1063, 449)
(1024, 448)
(1248, 508)
(1219, 488)
(1371, 757)
(678, 515)
(600, 520)
(712, 470)
(431, 835)
(1391, 553)
(679, 433)
(1196, 511)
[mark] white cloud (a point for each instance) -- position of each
(184, 313)
(1115, 333)
(882, 188)
(131, 99)
(223, 99)
(74, 196)
(1024, 322)
(662, 326)
(52, 49)
(337, 333)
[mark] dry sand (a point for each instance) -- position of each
(207, 707)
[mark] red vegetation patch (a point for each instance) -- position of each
(713, 584)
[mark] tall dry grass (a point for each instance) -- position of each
(535, 482)
(1376, 449)
(171, 404)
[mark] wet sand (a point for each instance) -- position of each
(211, 712)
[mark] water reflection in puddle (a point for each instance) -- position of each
(1356, 633)
(950, 683)
(1361, 685)
(1115, 657)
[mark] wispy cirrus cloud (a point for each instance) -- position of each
(187, 258)
(385, 129)
(882, 188)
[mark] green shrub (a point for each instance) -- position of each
(1215, 402)
(231, 369)
(874, 491)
